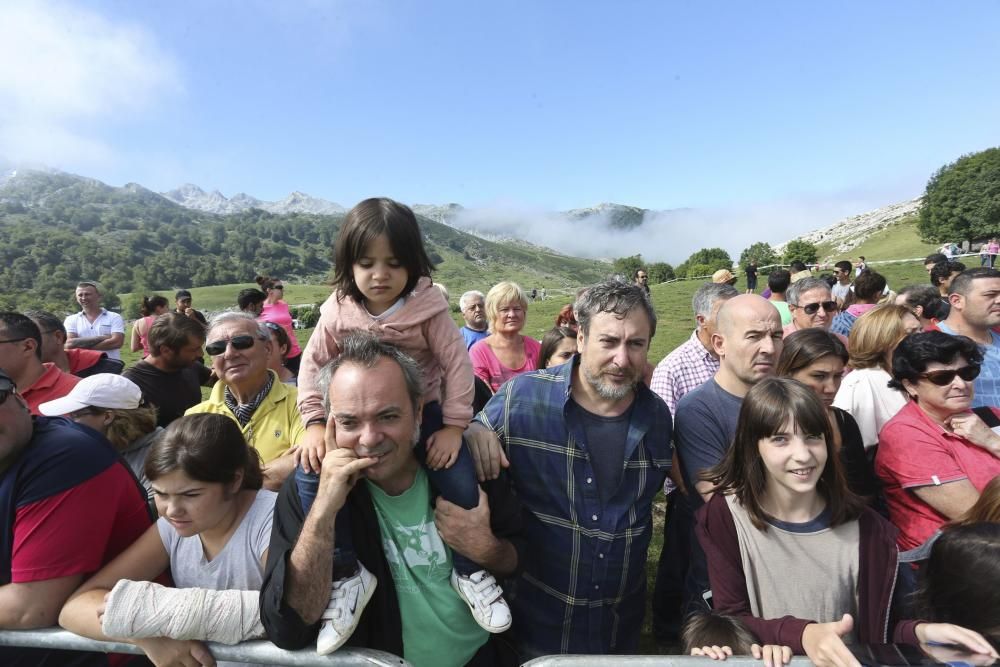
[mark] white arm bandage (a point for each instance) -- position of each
(142, 609)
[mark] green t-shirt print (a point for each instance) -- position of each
(438, 628)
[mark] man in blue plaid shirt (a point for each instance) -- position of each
(587, 447)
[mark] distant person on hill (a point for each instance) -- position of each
(94, 328)
(799, 271)
(183, 301)
(992, 248)
(473, 307)
(867, 292)
(841, 290)
(975, 312)
(751, 272)
(641, 278)
(925, 303)
(276, 310)
(383, 285)
(171, 376)
(21, 358)
(777, 283)
(860, 266)
(76, 361)
(251, 301)
(151, 308)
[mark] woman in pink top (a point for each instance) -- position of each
(151, 308)
(992, 249)
(505, 352)
(276, 310)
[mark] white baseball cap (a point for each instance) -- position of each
(103, 390)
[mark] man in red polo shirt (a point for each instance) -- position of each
(21, 357)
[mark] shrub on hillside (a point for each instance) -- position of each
(962, 199)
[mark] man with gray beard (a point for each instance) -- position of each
(587, 446)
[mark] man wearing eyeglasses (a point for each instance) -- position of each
(21, 357)
(812, 305)
(251, 394)
(70, 506)
(473, 306)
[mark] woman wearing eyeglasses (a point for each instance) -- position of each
(936, 455)
(276, 310)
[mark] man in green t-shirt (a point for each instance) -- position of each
(400, 534)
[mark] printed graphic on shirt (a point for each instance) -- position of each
(410, 547)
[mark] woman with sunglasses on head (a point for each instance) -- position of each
(275, 310)
(280, 347)
(791, 551)
(936, 455)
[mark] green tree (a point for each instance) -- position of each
(705, 262)
(627, 266)
(962, 199)
(760, 252)
(659, 272)
(802, 251)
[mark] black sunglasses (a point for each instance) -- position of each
(272, 326)
(216, 348)
(278, 287)
(813, 308)
(14, 340)
(946, 377)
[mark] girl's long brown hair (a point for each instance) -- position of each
(766, 409)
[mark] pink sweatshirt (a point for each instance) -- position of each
(422, 328)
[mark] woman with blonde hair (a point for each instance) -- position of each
(505, 352)
(865, 392)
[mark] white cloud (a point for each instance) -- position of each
(65, 73)
(672, 236)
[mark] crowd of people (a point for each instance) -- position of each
(470, 495)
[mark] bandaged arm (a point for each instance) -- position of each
(143, 609)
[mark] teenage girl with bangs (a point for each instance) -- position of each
(791, 551)
(383, 285)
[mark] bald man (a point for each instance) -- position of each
(747, 340)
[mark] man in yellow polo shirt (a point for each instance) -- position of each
(251, 394)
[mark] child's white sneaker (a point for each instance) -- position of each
(485, 599)
(348, 598)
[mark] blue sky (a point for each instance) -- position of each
(537, 105)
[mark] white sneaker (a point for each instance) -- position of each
(485, 599)
(348, 598)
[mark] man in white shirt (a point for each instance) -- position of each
(94, 328)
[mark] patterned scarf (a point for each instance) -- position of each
(244, 412)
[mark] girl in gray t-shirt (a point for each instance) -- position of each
(213, 531)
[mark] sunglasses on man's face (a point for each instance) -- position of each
(215, 348)
(946, 377)
(278, 287)
(813, 308)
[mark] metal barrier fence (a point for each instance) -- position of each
(649, 661)
(256, 652)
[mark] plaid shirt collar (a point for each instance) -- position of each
(244, 412)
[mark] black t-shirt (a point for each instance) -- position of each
(171, 393)
(606, 447)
